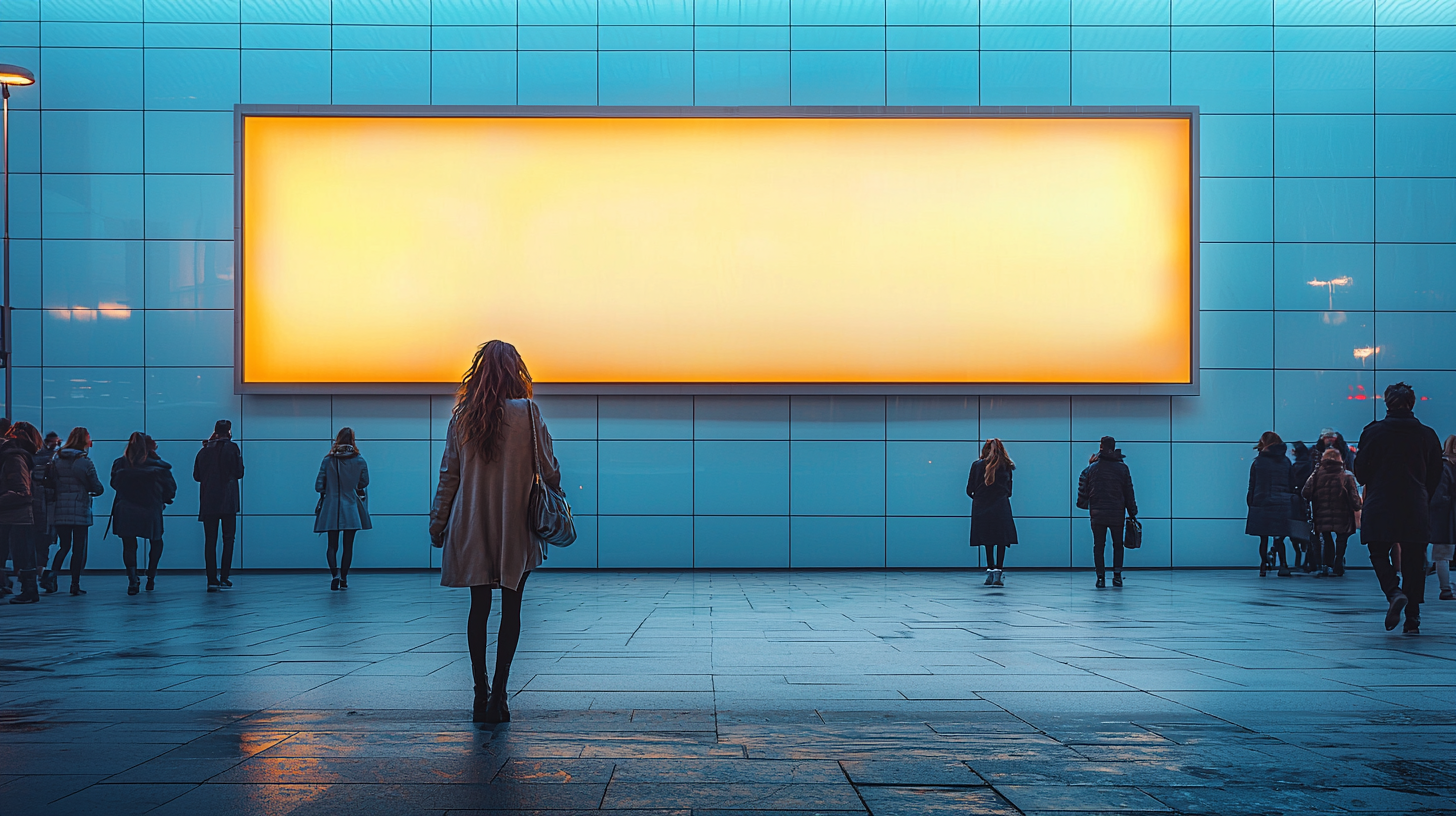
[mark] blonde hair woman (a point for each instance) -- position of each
(992, 524)
(479, 516)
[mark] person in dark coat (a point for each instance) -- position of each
(217, 469)
(1308, 553)
(1443, 520)
(17, 510)
(992, 524)
(1331, 438)
(144, 486)
(1105, 490)
(43, 473)
(1271, 502)
(76, 485)
(343, 506)
(1335, 496)
(1399, 461)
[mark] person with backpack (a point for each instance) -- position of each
(992, 524)
(76, 485)
(144, 487)
(1105, 490)
(217, 469)
(1335, 497)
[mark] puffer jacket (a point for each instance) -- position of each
(76, 484)
(1335, 496)
(141, 493)
(15, 485)
(1105, 489)
(1271, 499)
(43, 491)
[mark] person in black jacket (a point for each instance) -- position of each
(17, 514)
(1271, 502)
(143, 485)
(1307, 549)
(1399, 462)
(1105, 491)
(1331, 438)
(217, 469)
(1443, 520)
(992, 525)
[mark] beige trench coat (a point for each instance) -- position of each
(481, 507)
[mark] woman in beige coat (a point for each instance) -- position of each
(479, 516)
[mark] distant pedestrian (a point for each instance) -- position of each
(1443, 520)
(1307, 548)
(1271, 502)
(1400, 463)
(480, 517)
(144, 487)
(43, 506)
(992, 524)
(1332, 438)
(343, 508)
(76, 485)
(217, 469)
(1335, 497)
(1105, 491)
(17, 512)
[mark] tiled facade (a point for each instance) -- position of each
(1328, 263)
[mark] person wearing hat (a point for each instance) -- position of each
(1332, 438)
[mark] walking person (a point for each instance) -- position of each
(76, 485)
(1335, 497)
(1400, 463)
(1443, 520)
(992, 524)
(144, 486)
(343, 508)
(1105, 490)
(217, 469)
(495, 439)
(17, 510)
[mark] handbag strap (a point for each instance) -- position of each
(535, 449)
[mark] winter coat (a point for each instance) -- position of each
(480, 507)
(1105, 489)
(991, 518)
(76, 484)
(217, 469)
(141, 493)
(15, 484)
(1318, 451)
(1304, 466)
(1441, 507)
(1335, 496)
(343, 475)
(1400, 464)
(1271, 500)
(43, 491)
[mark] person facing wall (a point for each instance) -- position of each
(992, 524)
(217, 469)
(1443, 519)
(343, 506)
(1335, 498)
(1105, 490)
(479, 516)
(144, 486)
(1271, 502)
(17, 511)
(76, 485)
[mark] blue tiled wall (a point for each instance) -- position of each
(1329, 151)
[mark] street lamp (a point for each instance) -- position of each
(9, 75)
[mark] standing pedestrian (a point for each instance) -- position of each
(217, 469)
(1271, 502)
(76, 485)
(43, 505)
(1307, 548)
(144, 486)
(1332, 438)
(992, 524)
(1335, 496)
(1105, 490)
(17, 511)
(1443, 519)
(343, 506)
(1400, 463)
(495, 440)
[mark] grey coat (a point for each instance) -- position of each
(76, 484)
(480, 507)
(342, 478)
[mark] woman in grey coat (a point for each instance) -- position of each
(76, 485)
(479, 515)
(343, 505)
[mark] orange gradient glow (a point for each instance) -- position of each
(718, 250)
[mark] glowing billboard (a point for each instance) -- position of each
(694, 250)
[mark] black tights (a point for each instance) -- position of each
(73, 541)
(1335, 549)
(995, 556)
(510, 635)
(1266, 552)
(129, 555)
(336, 568)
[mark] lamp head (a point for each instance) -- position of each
(15, 75)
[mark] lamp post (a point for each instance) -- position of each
(9, 75)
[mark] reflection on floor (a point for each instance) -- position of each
(893, 693)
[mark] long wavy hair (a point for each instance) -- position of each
(344, 439)
(496, 374)
(1268, 440)
(78, 438)
(26, 435)
(136, 450)
(995, 455)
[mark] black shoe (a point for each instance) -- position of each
(133, 586)
(1285, 573)
(48, 582)
(1410, 628)
(213, 586)
(343, 583)
(334, 585)
(1392, 615)
(1101, 582)
(77, 590)
(497, 711)
(481, 709)
(29, 590)
(151, 583)
(225, 583)
(1117, 579)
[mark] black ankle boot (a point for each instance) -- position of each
(29, 589)
(497, 711)
(481, 708)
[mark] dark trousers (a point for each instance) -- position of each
(129, 555)
(73, 541)
(1268, 553)
(42, 541)
(228, 524)
(21, 540)
(339, 568)
(995, 556)
(1099, 545)
(1335, 550)
(1412, 578)
(506, 640)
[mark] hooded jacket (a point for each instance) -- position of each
(141, 493)
(217, 469)
(1271, 500)
(1335, 496)
(76, 484)
(1340, 445)
(342, 477)
(1400, 463)
(16, 501)
(1105, 489)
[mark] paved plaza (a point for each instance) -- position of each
(732, 693)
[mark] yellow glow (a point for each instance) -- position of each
(16, 79)
(718, 250)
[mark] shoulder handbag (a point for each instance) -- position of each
(1132, 534)
(550, 514)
